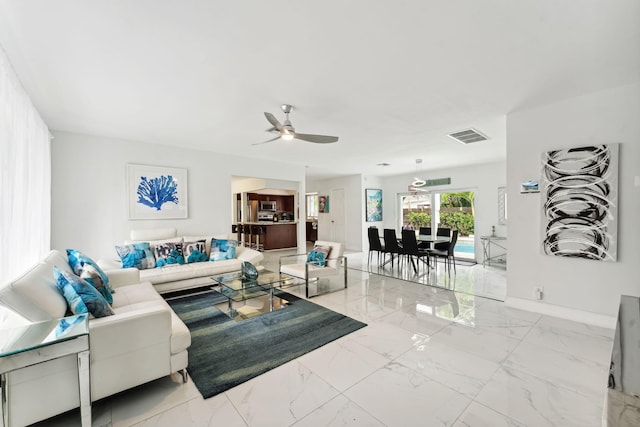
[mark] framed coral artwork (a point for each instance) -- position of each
(156, 192)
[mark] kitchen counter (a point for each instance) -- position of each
(277, 234)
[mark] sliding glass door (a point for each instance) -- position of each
(454, 210)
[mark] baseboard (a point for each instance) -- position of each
(587, 317)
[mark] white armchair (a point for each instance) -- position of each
(297, 265)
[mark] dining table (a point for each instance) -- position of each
(425, 238)
(431, 238)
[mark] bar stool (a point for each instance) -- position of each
(246, 229)
(257, 231)
(240, 231)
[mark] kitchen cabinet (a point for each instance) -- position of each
(280, 236)
(277, 235)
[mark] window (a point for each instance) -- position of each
(312, 206)
(25, 184)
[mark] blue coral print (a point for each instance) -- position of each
(155, 192)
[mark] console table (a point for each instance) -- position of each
(497, 242)
(39, 342)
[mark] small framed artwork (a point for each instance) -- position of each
(323, 204)
(156, 192)
(373, 202)
(530, 187)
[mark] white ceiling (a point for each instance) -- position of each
(390, 78)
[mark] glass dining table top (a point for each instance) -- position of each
(430, 238)
(20, 339)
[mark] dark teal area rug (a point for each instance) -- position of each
(225, 353)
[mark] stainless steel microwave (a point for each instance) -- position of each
(268, 206)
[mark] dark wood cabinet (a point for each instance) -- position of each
(312, 231)
(280, 236)
(283, 203)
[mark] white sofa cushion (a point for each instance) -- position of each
(34, 295)
(175, 273)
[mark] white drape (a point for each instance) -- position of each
(25, 177)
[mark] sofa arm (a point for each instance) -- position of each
(124, 332)
(123, 277)
(251, 255)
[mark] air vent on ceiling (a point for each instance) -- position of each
(468, 136)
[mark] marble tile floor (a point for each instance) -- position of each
(428, 357)
(488, 281)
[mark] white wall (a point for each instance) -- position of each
(483, 180)
(611, 116)
(354, 215)
(89, 199)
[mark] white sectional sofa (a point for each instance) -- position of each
(180, 277)
(144, 340)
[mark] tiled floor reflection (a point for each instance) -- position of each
(489, 281)
(430, 357)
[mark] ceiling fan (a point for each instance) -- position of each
(287, 131)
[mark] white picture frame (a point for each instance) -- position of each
(157, 192)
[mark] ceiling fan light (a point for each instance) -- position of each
(287, 136)
(417, 182)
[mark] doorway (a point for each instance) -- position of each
(337, 213)
(454, 210)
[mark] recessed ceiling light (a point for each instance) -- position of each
(383, 164)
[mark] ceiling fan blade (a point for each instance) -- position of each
(320, 139)
(264, 142)
(272, 119)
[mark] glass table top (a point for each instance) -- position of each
(40, 334)
(238, 288)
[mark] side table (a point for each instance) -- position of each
(487, 243)
(40, 342)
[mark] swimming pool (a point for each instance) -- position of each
(465, 247)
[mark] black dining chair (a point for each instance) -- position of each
(412, 251)
(443, 232)
(375, 245)
(446, 254)
(391, 245)
(427, 232)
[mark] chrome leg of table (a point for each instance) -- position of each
(85, 388)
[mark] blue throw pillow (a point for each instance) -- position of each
(169, 253)
(194, 251)
(223, 249)
(88, 270)
(136, 255)
(316, 258)
(80, 295)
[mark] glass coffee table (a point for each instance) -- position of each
(254, 296)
